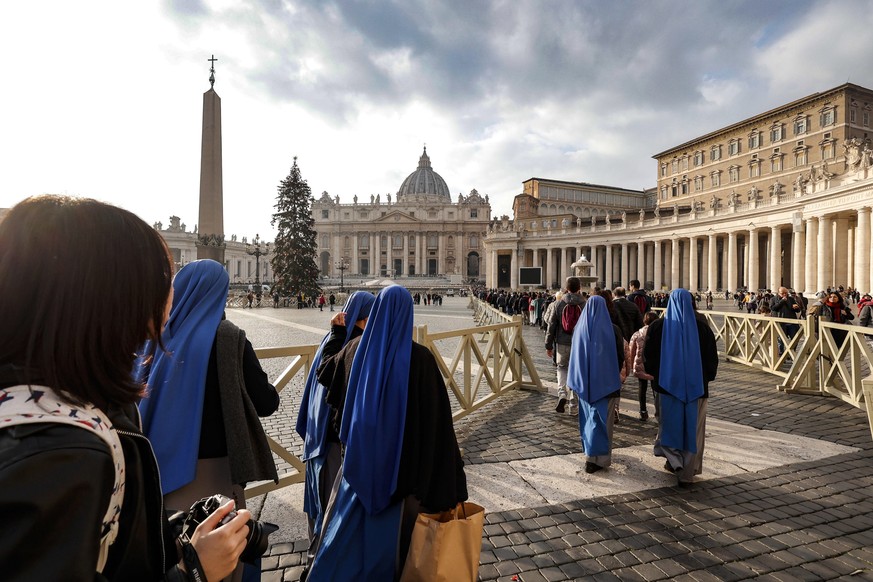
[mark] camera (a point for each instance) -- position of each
(259, 532)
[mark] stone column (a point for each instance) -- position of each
(550, 268)
(797, 251)
(354, 267)
(625, 260)
(404, 264)
(675, 273)
(491, 276)
(513, 269)
(732, 262)
(536, 257)
(754, 261)
(841, 244)
(862, 248)
(825, 253)
(441, 253)
(693, 284)
(389, 258)
(564, 270)
(775, 258)
(609, 276)
(659, 278)
(810, 284)
(712, 263)
(641, 263)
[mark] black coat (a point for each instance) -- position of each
(708, 352)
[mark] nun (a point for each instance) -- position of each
(393, 417)
(682, 356)
(321, 450)
(596, 356)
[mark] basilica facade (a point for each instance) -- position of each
(780, 199)
(420, 231)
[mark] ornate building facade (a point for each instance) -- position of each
(420, 232)
(780, 199)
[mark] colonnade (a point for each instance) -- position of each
(807, 253)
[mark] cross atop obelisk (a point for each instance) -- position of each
(210, 240)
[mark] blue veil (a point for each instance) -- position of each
(314, 415)
(593, 370)
(172, 412)
(681, 373)
(375, 409)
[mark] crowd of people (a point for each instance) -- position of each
(113, 435)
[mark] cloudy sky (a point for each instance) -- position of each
(104, 98)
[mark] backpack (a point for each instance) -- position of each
(641, 302)
(39, 404)
(570, 316)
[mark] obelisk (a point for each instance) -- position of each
(210, 240)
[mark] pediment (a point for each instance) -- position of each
(397, 216)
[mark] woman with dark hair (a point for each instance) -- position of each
(681, 354)
(82, 500)
(401, 457)
(834, 310)
(596, 356)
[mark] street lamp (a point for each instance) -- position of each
(258, 249)
(342, 265)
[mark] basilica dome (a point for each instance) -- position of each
(424, 183)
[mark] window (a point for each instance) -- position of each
(364, 214)
(663, 192)
(432, 214)
(801, 125)
(684, 185)
(398, 241)
(451, 215)
(699, 158)
(865, 119)
(411, 243)
(715, 153)
(734, 147)
(347, 243)
(675, 165)
(734, 173)
(346, 215)
(828, 116)
(800, 157)
(412, 214)
(754, 140)
(698, 183)
(364, 241)
(450, 242)
(432, 241)
(828, 149)
(325, 213)
(383, 242)
(755, 168)
(853, 115)
(474, 212)
(685, 162)
(474, 241)
(776, 131)
(715, 179)
(776, 163)
(663, 170)
(325, 240)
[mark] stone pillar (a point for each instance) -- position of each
(550, 268)
(862, 248)
(564, 270)
(354, 268)
(536, 257)
(513, 269)
(210, 240)
(797, 251)
(775, 258)
(389, 257)
(712, 260)
(841, 256)
(810, 284)
(693, 284)
(404, 264)
(754, 267)
(675, 273)
(732, 262)
(625, 260)
(825, 253)
(659, 278)
(641, 263)
(609, 276)
(491, 276)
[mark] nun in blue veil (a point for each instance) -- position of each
(596, 356)
(682, 355)
(321, 450)
(393, 417)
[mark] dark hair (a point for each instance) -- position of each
(650, 317)
(610, 306)
(96, 280)
(573, 284)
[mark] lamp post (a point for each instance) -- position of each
(342, 265)
(258, 249)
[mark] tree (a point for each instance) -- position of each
(295, 247)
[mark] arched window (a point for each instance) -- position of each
(364, 241)
(325, 240)
(474, 241)
(450, 242)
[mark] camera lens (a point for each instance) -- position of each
(257, 540)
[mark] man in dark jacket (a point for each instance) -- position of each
(638, 297)
(630, 319)
(560, 340)
(786, 307)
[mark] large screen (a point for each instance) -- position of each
(530, 276)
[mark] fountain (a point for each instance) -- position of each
(582, 269)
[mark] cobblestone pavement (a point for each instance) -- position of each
(803, 521)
